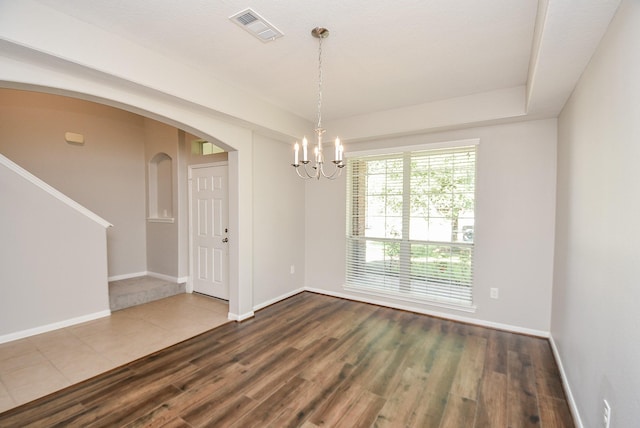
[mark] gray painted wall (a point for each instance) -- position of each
(106, 174)
(595, 322)
(279, 238)
(514, 232)
(162, 238)
(52, 259)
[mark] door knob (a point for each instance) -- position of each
(225, 240)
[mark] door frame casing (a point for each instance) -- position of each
(190, 168)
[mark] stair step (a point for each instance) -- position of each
(137, 291)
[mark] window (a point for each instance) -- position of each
(410, 224)
(204, 148)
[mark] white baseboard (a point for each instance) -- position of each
(565, 383)
(467, 320)
(277, 299)
(127, 276)
(162, 276)
(53, 326)
(236, 317)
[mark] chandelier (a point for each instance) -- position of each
(318, 167)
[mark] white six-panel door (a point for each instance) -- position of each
(209, 233)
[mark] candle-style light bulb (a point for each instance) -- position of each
(337, 156)
(305, 143)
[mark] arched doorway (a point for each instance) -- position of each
(240, 304)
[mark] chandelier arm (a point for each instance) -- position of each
(335, 174)
(306, 174)
(298, 172)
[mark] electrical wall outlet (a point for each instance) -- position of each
(293, 269)
(493, 293)
(606, 415)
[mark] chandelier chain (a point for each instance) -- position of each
(320, 83)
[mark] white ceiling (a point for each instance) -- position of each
(381, 54)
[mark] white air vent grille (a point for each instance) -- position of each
(247, 18)
(256, 25)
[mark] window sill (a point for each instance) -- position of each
(160, 219)
(412, 298)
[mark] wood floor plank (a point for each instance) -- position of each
(319, 329)
(289, 367)
(492, 402)
(176, 423)
(128, 411)
(430, 412)
(325, 387)
(57, 417)
(425, 343)
(555, 413)
(221, 413)
(223, 410)
(497, 347)
(269, 409)
(460, 412)
(363, 411)
(374, 332)
(368, 368)
(388, 373)
(470, 369)
(446, 344)
(343, 345)
(297, 411)
(215, 402)
(136, 385)
(287, 418)
(522, 401)
(337, 405)
(548, 380)
(402, 406)
(443, 372)
(314, 360)
(157, 417)
(439, 381)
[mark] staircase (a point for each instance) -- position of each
(137, 291)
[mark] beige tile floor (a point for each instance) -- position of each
(38, 365)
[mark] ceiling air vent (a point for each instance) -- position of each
(256, 25)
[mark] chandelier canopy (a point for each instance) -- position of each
(318, 166)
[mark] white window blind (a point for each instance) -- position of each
(410, 224)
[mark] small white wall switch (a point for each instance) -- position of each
(72, 137)
(293, 269)
(493, 293)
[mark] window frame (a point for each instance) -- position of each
(425, 296)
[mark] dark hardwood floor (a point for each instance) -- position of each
(314, 360)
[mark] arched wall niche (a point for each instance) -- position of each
(160, 187)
